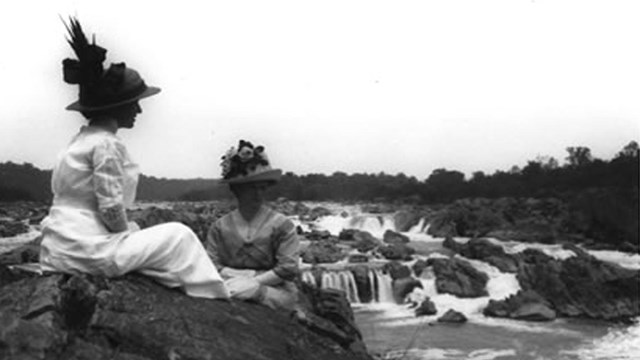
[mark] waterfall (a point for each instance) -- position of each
(308, 278)
(344, 280)
(381, 286)
(418, 228)
(341, 280)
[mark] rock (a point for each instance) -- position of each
(397, 252)
(405, 220)
(392, 237)
(151, 216)
(358, 258)
(427, 307)
(10, 228)
(28, 252)
(483, 249)
(402, 287)
(419, 266)
(396, 270)
(525, 305)
(319, 252)
(133, 318)
(534, 312)
(582, 286)
(363, 283)
(458, 277)
(364, 241)
(347, 234)
(318, 235)
(452, 316)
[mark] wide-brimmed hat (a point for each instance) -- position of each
(100, 89)
(248, 164)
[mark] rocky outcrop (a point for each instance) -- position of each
(397, 252)
(403, 287)
(404, 220)
(483, 249)
(427, 307)
(9, 228)
(582, 286)
(133, 318)
(396, 270)
(459, 278)
(364, 241)
(452, 316)
(363, 283)
(319, 252)
(525, 305)
(197, 219)
(392, 237)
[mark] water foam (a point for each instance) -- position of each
(618, 344)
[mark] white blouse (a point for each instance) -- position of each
(93, 181)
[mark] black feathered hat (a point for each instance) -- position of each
(100, 89)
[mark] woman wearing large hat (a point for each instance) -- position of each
(255, 248)
(95, 179)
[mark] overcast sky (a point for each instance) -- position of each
(354, 86)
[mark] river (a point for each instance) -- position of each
(393, 331)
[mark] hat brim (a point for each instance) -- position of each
(77, 106)
(269, 176)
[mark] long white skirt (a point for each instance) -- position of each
(170, 253)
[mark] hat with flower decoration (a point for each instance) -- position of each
(247, 164)
(100, 89)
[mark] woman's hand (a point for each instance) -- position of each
(229, 272)
(268, 278)
(244, 288)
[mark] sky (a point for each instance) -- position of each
(353, 86)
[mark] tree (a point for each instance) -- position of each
(578, 156)
(630, 150)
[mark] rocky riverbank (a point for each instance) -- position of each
(578, 285)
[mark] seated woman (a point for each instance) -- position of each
(95, 179)
(255, 248)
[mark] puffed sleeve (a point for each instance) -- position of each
(288, 251)
(211, 244)
(108, 182)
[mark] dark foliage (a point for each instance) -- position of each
(541, 177)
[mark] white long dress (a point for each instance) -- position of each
(95, 177)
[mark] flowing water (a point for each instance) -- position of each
(393, 331)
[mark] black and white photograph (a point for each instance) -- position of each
(320, 180)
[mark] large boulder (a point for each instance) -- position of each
(403, 287)
(396, 270)
(485, 250)
(319, 252)
(525, 305)
(364, 241)
(363, 283)
(582, 286)
(458, 277)
(427, 307)
(452, 316)
(405, 220)
(10, 228)
(133, 318)
(198, 222)
(392, 237)
(397, 252)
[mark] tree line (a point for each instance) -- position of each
(540, 177)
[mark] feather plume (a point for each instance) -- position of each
(88, 69)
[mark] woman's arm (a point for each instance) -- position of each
(108, 179)
(211, 244)
(287, 255)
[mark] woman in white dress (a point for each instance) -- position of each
(255, 248)
(94, 181)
